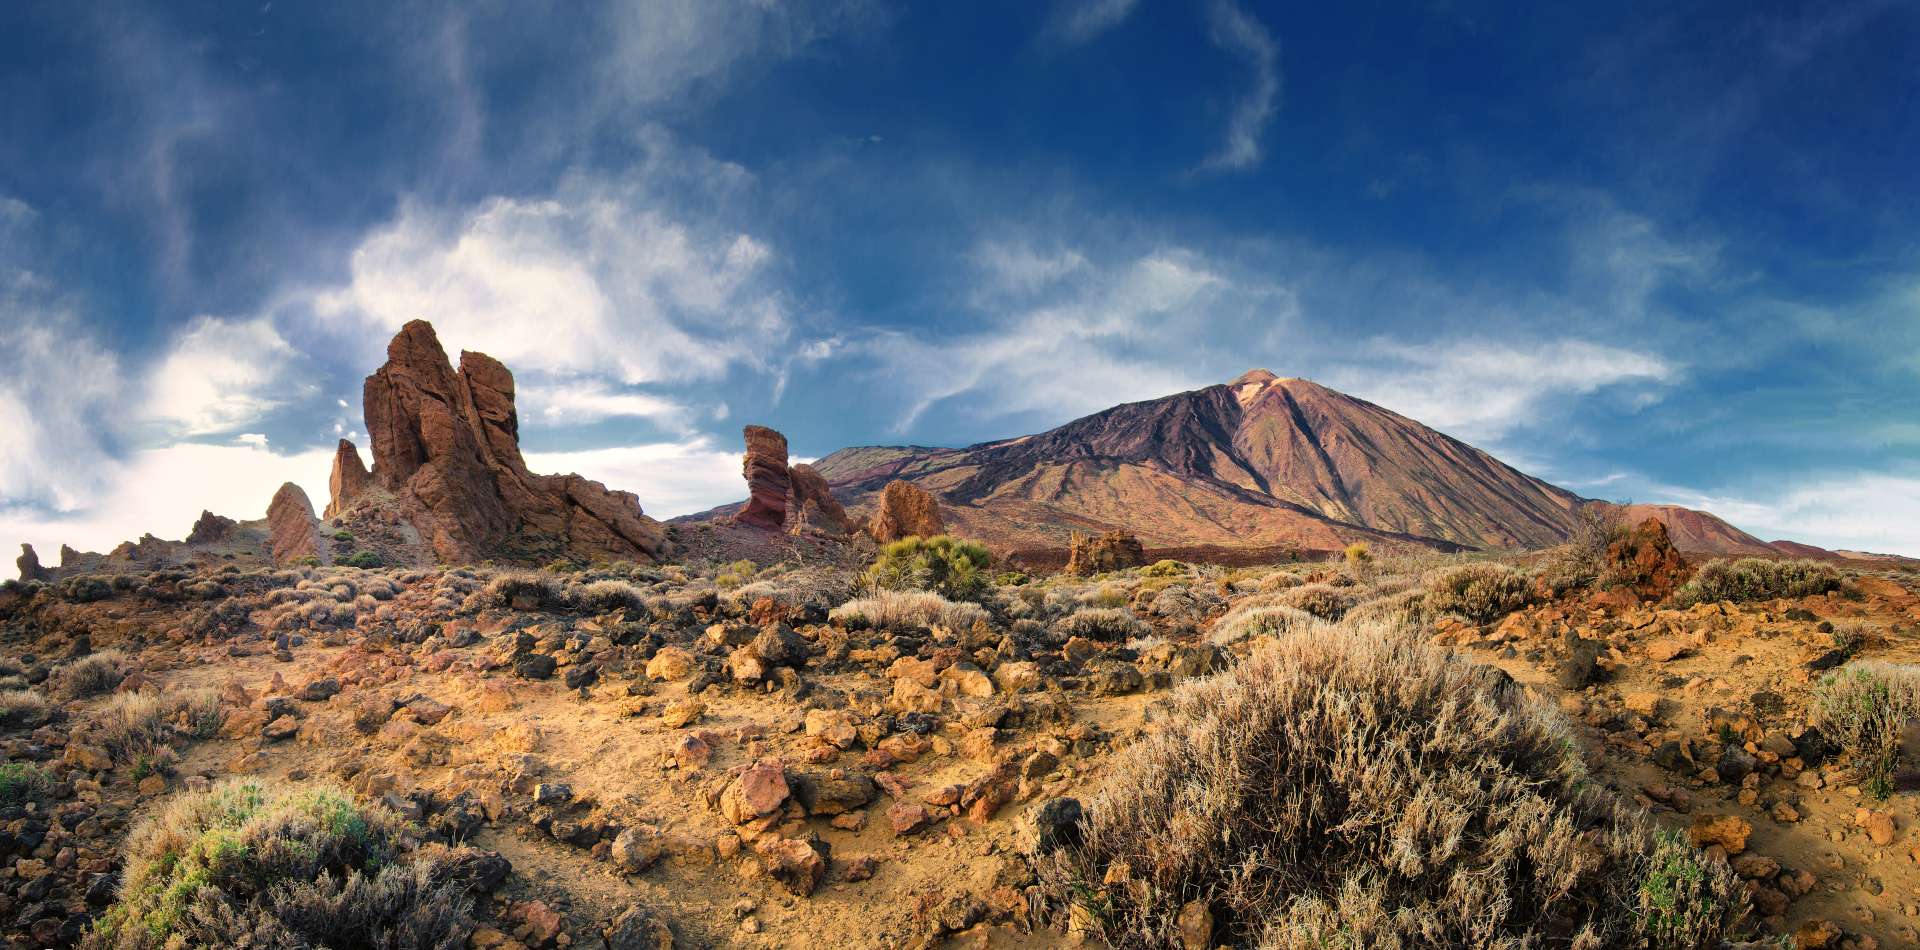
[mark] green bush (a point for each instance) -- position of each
(1166, 567)
(1356, 787)
(1862, 708)
(22, 782)
(363, 559)
(343, 536)
(943, 564)
(1482, 593)
(1757, 578)
(251, 863)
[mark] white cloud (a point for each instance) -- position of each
(219, 375)
(581, 402)
(162, 491)
(602, 278)
(671, 478)
(1874, 511)
(1477, 389)
(1078, 21)
(660, 48)
(56, 386)
(1241, 34)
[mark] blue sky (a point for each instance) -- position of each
(1664, 252)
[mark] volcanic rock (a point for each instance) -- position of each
(811, 506)
(447, 445)
(765, 468)
(210, 528)
(1113, 551)
(29, 564)
(905, 510)
(349, 479)
(292, 532)
(1646, 562)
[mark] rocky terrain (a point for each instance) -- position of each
(739, 754)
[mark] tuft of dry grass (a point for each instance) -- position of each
(1863, 708)
(1359, 788)
(142, 728)
(907, 610)
(1112, 624)
(23, 707)
(1482, 592)
(89, 675)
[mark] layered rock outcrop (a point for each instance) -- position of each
(905, 510)
(1112, 551)
(292, 531)
(446, 445)
(765, 469)
(349, 479)
(811, 507)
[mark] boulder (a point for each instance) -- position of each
(905, 510)
(765, 468)
(447, 446)
(210, 528)
(1646, 562)
(292, 532)
(348, 481)
(1116, 550)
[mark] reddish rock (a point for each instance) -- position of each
(348, 481)
(765, 469)
(811, 507)
(905, 510)
(292, 531)
(29, 564)
(759, 791)
(1113, 551)
(799, 864)
(447, 445)
(210, 528)
(1646, 562)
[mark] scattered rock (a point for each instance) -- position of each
(1730, 832)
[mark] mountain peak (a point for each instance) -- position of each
(1254, 377)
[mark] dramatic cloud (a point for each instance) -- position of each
(56, 385)
(220, 375)
(671, 478)
(1240, 34)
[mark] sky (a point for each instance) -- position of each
(1659, 252)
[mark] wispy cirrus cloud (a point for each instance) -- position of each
(1243, 36)
(1074, 22)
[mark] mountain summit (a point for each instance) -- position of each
(1261, 461)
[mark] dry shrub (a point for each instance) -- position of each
(1102, 623)
(1321, 600)
(1482, 593)
(1863, 708)
(270, 865)
(907, 610)
(23, 707)
(1757, 578)
(1358, 788)
(607, 596)
(89, 675)
(142, 728)
(543, 589)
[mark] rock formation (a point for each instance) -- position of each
(1112, 551)
(292, 531)
(29, 564)
(905, 510)
(811, 507)
(210, 529)
(349, 479)
(1646, 562)
(447, 446)
(765, 469)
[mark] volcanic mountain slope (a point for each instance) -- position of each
(1262, 461)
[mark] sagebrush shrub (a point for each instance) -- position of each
(1321, 600)
(543, 590)
(1479, 592)
(1757, 578)
(1115, 624)
(607, 596)
(906, 610)
(1863, 708)
(89, 675)
(23, 707)
(253, 863)
(1359, 788)
(22, 782)
(943, 564)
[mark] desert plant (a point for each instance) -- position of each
(1321, 600)
(1683, 903)
(251, 863)
(23, 707)
(1360, 788)
(1165, 567)
(89, 675)
(1482, 593)
(135, 727)
(1113, 624)
(22, 782)
(907, 610)
(1582, 560)
(541, 591)
(607, 596)
(363, 559)
(1757, 578)
(943, 564)
(1863, 707)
